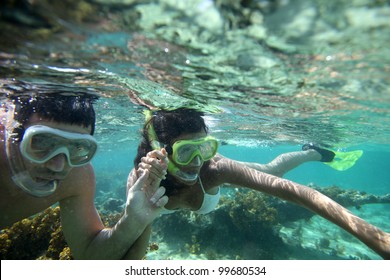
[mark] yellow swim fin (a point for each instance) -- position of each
(344, 160)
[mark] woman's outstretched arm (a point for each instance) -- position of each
(225, 170)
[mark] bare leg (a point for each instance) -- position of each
(285, 162)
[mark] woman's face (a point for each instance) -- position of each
(188, 174)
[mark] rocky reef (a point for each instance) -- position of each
(246, 225)
(39, 237)
(236, 226)
(289, 212)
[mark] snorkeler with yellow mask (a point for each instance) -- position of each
(196, 171)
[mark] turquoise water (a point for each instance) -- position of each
(292, 73)
(368, 174)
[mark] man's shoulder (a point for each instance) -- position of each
(80, 181)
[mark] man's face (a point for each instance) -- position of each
(57, 167)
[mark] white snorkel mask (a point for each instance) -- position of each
(40, 144)
(19, 173)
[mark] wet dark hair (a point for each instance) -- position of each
(169, 125)
(53, 102)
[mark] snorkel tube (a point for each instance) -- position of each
(173, 169)
(19, 173)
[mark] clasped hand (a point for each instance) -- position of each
(146, 197)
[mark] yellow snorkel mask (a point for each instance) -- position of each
(182, 152)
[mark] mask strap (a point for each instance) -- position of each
(153, 140)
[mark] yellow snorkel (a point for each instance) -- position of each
(153, 140)
(154, 143)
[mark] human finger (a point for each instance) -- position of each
(158, 163)
(143, 165)
(155, 168)
(141, 168)
(157, 195)
(152, 182)
(164, 158)
(143, 176)
(154, 175)
(159, 154)
(162, 201)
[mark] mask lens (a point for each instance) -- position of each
(43, 143)
(208, 149)
(81, 151)
(186, 150)
(184, 153)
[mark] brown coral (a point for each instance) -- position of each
(39, 237)
(249, 208)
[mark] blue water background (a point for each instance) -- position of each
(370, 173)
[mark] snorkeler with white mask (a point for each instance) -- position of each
(196, 172)
(40, 144)
(47, 134)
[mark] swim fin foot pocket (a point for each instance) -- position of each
(327, 156)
